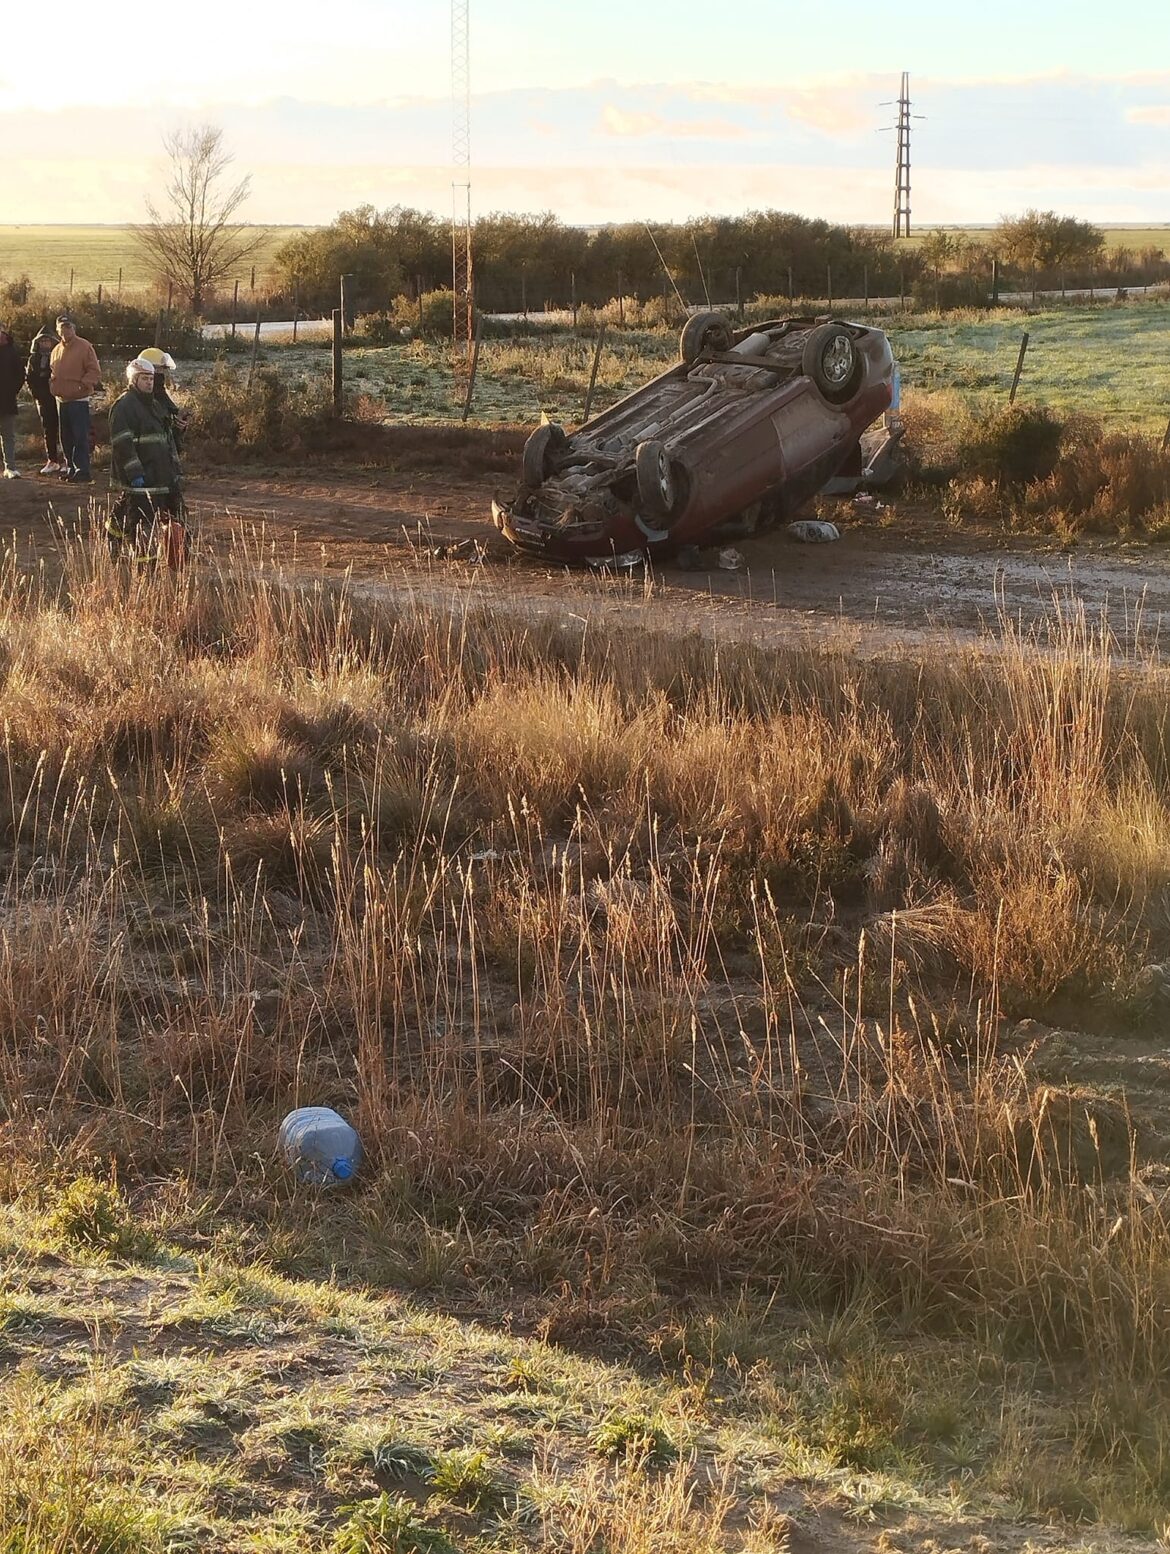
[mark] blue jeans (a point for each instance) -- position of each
(75, 435)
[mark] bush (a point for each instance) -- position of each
(94, 1215)
(438, 311)
(271, 413)
(115, 329)
(1012, 446)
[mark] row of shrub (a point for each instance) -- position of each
(115, 328)
(1025, 465)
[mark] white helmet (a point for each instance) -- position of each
(139, 368)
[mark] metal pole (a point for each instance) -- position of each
(337, 375)
(593, 374)
(474, 368)
(1019, 368)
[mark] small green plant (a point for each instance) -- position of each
(400, 1459)
(388, 1525)
(635, 1435)
(465, 1475)
(93, 1214)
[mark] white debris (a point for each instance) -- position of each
(730, 559)
(814, 531)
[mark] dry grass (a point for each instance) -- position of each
(621, 952)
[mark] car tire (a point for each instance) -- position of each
(704, 332)
(658, 487)
(539, 451)
(831, 359)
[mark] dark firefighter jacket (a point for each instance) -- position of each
(142, 445)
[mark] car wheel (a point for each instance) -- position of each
(704, 332)
(540, 449)
(831, 359)
(657, 486)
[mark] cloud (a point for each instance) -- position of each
(620, 124)
(1158, 113)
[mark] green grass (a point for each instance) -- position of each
(1107, 360)
(47, 254)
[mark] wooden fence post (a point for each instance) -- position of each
(573, 294)
(593, 374)
(474, 367)
(296, 307)
(337, 370)
(791, 298)
(865, 282)
(1019, 368)
(119, 283)
(255, 350)
(829, 284)
(70, 280)
(235, 304)
(738, 295)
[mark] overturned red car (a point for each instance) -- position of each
(746, 427)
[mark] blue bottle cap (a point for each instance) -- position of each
(342, 1169)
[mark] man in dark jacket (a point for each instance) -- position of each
(39, 369)
(144, 469)
(11, 383)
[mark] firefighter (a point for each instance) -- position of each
(164, 367)
(144, 470)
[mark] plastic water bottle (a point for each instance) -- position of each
(320, 1146)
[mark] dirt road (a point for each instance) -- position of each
(902, 576)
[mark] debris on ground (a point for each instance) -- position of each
(814, 531)
(730, 559)
(626, 562)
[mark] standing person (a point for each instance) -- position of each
(39, 371)
(11, 382)
(164, 368)
(144, 469)
(75, 375)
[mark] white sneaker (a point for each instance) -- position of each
(12, 474)
(50, 468)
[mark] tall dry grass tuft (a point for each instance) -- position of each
(620, 950)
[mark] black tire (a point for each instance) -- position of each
(831, 359)
(658, 489)
(704, 332)
(539, 451)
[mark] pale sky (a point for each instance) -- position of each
(614, 109)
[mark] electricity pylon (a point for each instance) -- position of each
(463, 324)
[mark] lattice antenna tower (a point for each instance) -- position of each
(902, 175)
(462, 329)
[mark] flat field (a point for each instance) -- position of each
(94, 253)
(1109, 360)
(1135, 238)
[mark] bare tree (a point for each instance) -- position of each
(195, 242)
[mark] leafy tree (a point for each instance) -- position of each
(1041, 240)
(195, 242)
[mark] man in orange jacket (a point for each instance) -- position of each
(75, 374)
